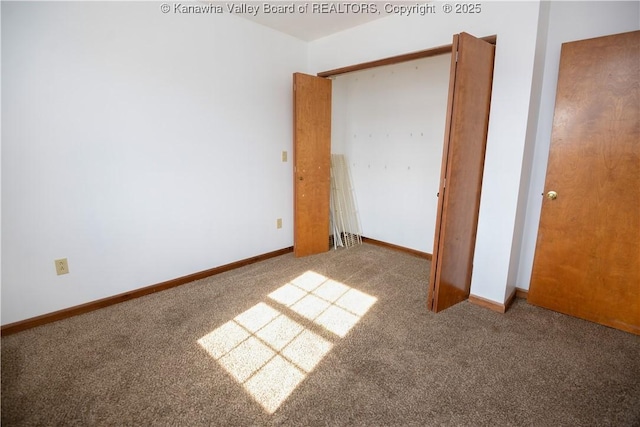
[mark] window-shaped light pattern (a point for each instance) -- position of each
(268, 352)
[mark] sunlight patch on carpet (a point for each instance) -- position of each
(328, 303)
(268, 352)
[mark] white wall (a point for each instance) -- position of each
(140, 146)
(534, 108)
(389, 122)
(515, 24)
(568, 21)
(0, 162)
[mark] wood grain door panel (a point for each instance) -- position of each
(587, 259)
(312, 163)
(462, 168)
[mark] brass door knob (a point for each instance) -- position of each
(552, 195)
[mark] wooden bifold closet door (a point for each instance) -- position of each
(311, 163)
(465, 142)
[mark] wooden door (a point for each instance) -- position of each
(587, 259)
(462, 167)
(312, 163)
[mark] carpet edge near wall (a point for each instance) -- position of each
(22, 325)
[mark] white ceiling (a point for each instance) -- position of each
(309, 26)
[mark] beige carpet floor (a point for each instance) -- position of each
(341, 338)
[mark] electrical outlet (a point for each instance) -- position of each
(62, 267)
(284, 156)
(279, 223)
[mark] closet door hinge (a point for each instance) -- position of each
(456, 56)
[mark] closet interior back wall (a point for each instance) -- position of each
(389, 123)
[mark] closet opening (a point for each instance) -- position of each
(391, 120)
